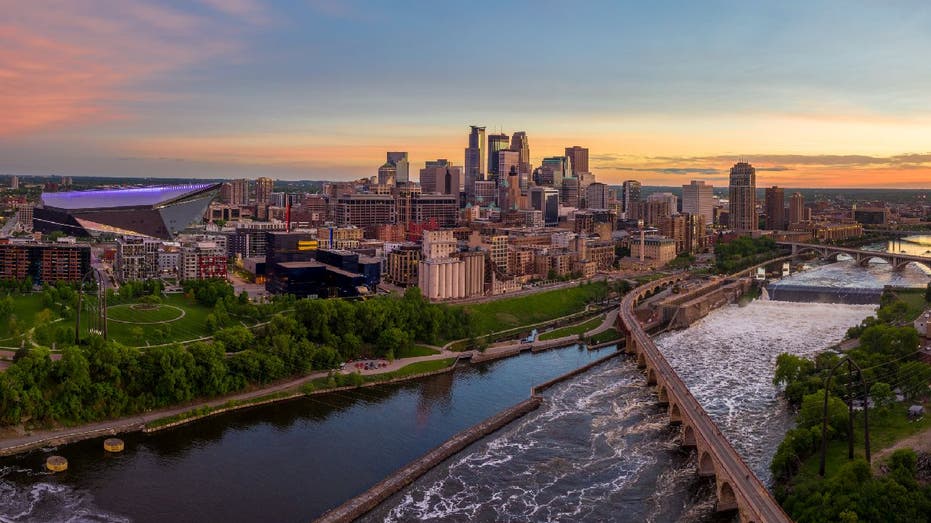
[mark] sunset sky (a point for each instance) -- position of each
(815, 94)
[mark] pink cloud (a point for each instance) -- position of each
(67, 62)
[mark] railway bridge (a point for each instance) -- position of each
(898, 261)
(737, 487)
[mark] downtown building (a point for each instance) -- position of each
(44, 262)
(775, 209)
(742, 216)
(698, 198)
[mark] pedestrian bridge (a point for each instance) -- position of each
(898, 261)
(736, 486)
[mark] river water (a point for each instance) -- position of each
(598, 449)
(286, 462)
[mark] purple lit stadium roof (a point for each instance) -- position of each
(115, 198)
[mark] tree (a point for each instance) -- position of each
(882, 396)
(235, 339)
(914, 377)
(6, 307)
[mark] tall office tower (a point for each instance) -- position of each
(441, 177)
(520, 144)
(239, 192)
(554, 169)
(775, 209)
(496, 142)
(671, 199)
(596, 196)
(546, 200)
(387, 174)
(263, 190)
(742, 195)
(796, 208)
(508, 161)
(698, 199)
(630, 199)
(474, 160)
(402, 166)
(513, 194)
(14, 182)
(578, 159)
(569, 193)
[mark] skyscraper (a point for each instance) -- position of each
(440, 177)
(496, 142)
(698, 198)
(388, 174)
(554, 169)
(520, 144)
(775, 209)
(630, 199)
(578, 159)
(796, 208)
(742, 195)
(596, 196)
(401, 165)
(546, 200)
(263, 190)
(474, 160)
(508, 161)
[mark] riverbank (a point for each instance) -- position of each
(283, 391)
(371, 498)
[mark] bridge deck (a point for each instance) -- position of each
(755, 498)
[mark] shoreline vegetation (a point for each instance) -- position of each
(105, 381)
(889, 488)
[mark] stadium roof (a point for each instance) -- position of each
(129, 197)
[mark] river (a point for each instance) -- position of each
(599, 448)
(286, 462)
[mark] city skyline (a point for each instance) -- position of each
(300, 91)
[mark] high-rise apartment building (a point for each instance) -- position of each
(496, 142)
(630, 199)
(698, 198)
(474, 160)
(742, 215)
(239, 192)
(263, 190)
(796, 208)
(578, 159)
(775, 209)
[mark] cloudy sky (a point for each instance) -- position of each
(830, 93)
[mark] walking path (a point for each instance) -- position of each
(11, 443)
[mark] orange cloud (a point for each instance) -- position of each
(64, 62)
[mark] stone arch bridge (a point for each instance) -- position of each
(897, 261)
(736, 486)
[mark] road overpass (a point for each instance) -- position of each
(736, 486)
(898, 261)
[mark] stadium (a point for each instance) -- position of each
(160, 212)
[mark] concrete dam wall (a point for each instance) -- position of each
(814, 294)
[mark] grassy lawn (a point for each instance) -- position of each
(885, 430)
(419, 367)
(915, 299)
(416, 350)
(143, 314)
(609, 335)
(506, 313)
(25, 308)
(572, 329)
(191, 326)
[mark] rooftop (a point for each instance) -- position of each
(130, 197)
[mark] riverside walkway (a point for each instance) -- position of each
(737, 488)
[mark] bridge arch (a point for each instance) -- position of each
(675, 415)
(727, 500)
(651, 377)
(705, 465)
(688, 436)
(900, 266)
(662, 394)
(865, 259)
